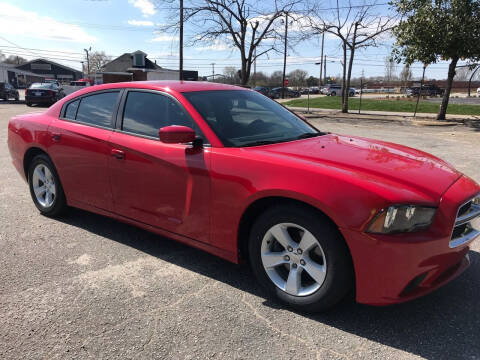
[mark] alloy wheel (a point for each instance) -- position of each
(293, 259)
(44, 185)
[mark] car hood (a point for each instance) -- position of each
(373, 159)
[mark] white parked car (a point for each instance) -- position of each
(478, 91)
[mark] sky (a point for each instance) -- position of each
(61, 30)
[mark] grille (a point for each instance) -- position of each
(467, 223)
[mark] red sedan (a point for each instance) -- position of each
(229, 171)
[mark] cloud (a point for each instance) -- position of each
(217, 45)
(146, 7)
(140, 22)
(164, 38)
(17, 21)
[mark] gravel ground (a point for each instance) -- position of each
(85, 286)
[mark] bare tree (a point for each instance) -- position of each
(297, 77)
(356, 25)
(244, 25)
(462, 73)
(406, 75)
(97, 60)
(231, 74)
(390, 70)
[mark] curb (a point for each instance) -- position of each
(5, 102)
(407, 120)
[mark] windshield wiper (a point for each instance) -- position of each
(308, 135)
(260, 142)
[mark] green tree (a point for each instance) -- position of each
(438, 30)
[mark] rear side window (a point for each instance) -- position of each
(146, 113)
(71, 110)
(97, 109)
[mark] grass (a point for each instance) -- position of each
(334, 102)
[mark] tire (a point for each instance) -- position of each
(42, 174)
(333, 93)
(328, 259)
(351, 94)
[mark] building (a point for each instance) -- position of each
(137, 67)
(18, 78)
(51, 70)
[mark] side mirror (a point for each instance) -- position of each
(176, 134)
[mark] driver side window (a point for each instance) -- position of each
(146, 113)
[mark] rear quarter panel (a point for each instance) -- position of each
(25, 132)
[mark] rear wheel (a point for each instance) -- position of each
(300, 257)
(45, 187)
(333, 93)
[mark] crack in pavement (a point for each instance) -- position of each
(313, 347)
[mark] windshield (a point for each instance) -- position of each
(246, 118)
(41, 86)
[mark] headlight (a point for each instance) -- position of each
(402, 218)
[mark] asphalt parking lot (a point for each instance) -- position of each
(84, 286)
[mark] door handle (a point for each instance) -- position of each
(117, 154)
(56, 137)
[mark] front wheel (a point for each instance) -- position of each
(300, 257)
(45, 187)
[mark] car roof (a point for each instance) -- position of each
(169, 85)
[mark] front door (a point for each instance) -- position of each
(164, 185)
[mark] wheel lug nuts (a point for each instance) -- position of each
(299, 251)
(289, 248)
(287, 258)
(294, 266)
(302, 262)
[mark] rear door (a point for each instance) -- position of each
(164, 185)
(80, 147)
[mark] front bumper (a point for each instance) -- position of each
(396, 268)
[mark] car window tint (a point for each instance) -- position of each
(146, 113)
(240, 117)
(97, 109)
(71, 110)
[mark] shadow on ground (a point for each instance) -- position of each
(445, 324)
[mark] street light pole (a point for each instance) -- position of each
(320, 82)
(471, 77)
(420, 90)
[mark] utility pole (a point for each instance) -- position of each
(325, 68)
(320, 82)
(180, 65)
(88, 60)
(285, 56)
(213, 71)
